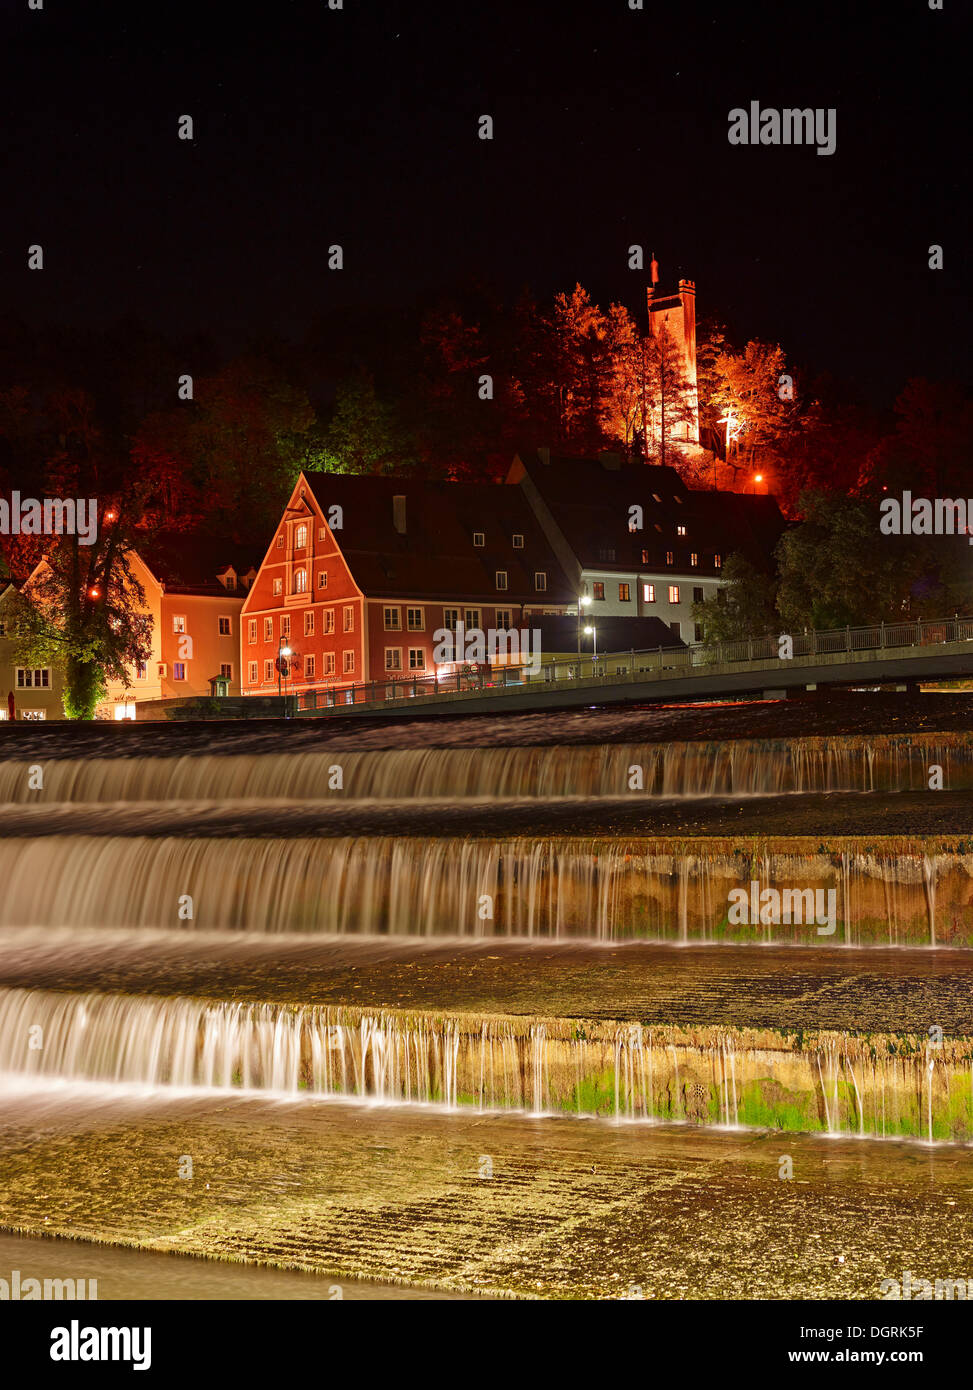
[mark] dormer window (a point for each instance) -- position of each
(479, 539)
(517, 541)
(680, 530)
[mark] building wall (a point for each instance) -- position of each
(643, 603)
(197, 616)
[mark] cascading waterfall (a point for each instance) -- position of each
(830, 1082)
(608, 889)
(737, 768)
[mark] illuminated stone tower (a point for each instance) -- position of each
(677, 313)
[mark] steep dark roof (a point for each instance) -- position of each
(188, 562)
(590, 502)
(614, 634)
(435, 558)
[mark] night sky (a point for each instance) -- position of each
(359, 126)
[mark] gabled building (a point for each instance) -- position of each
(362, 572)
(634, 540)
(194, 601)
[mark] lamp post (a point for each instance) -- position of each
(583, 601)
(592, 632)
(282, 654)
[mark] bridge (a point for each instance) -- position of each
(900, 654)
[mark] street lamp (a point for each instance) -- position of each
(592, 632)
(583, 601)
(282, 654)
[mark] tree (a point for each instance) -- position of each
(362, 435)
(743, 608)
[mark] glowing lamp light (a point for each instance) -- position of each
(588, 631)
(110, 516)
(285, 651)
(758, 477)
(94, 592)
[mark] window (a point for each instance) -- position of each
(322, 532)
(268, 629)
(417, 659)
(226, 669)
(252, 673)
(322, 579)
(285, 625)
(278, 587)
(178, 622)
(472, 617)
(415, 619)
(670, 558)
(697, 632)
(540, 580)
(680, 530)
(393, 619)
(329, 663)
(309, 667)
(673, 593)
(309, 622)
(224, 627)
(501, 579)
(280, 542)
(268, 670)
(697, 593)
(178, 670)
(517, 541)
(675, 629)
(33, 714)
(648, 593)
(693, 559)
(479, 539)
(450, 618)
(645, 557)
(328, 620)
(504, 619)
(33, 677)
(657, 497)
(349, 662)
(141, 670)
(230, 581)
(348, 619)
(252, 630)
(607, 556)
(598, 589)
(717, 562)
(624, 593)
(300, 538)
(300, 581)
(393, 658)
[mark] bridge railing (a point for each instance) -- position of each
(654, 661)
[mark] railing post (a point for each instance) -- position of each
(847, 637)
(883, 633)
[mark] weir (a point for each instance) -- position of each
(837, 1083)
(600, 888)
(734, 768)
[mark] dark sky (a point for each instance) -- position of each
(359, 126)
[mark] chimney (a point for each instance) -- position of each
(398, 514)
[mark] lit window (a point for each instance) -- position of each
(278, 587)
(224, 627)
(540, 580)
(348, 623)
(624, 593)
(309, 622)
(598, 589)
(392, 619)
(673, 593)
(393, 658)
(285, 625)
(680, 530)
(252, 630)
(329, 663)
(670, 558)
(322, 532)
(268, 629)
(178, 622)
(280, 542)
(329, 620)
(322, 579)
(349, 662)
(226, 669)
(501, 579)
(268, 670)
(694, 559)
(648, 593)
(33, 677)
(717, 562)
(309, 666)
(300, 538)
(252, 673)
(300, 581)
